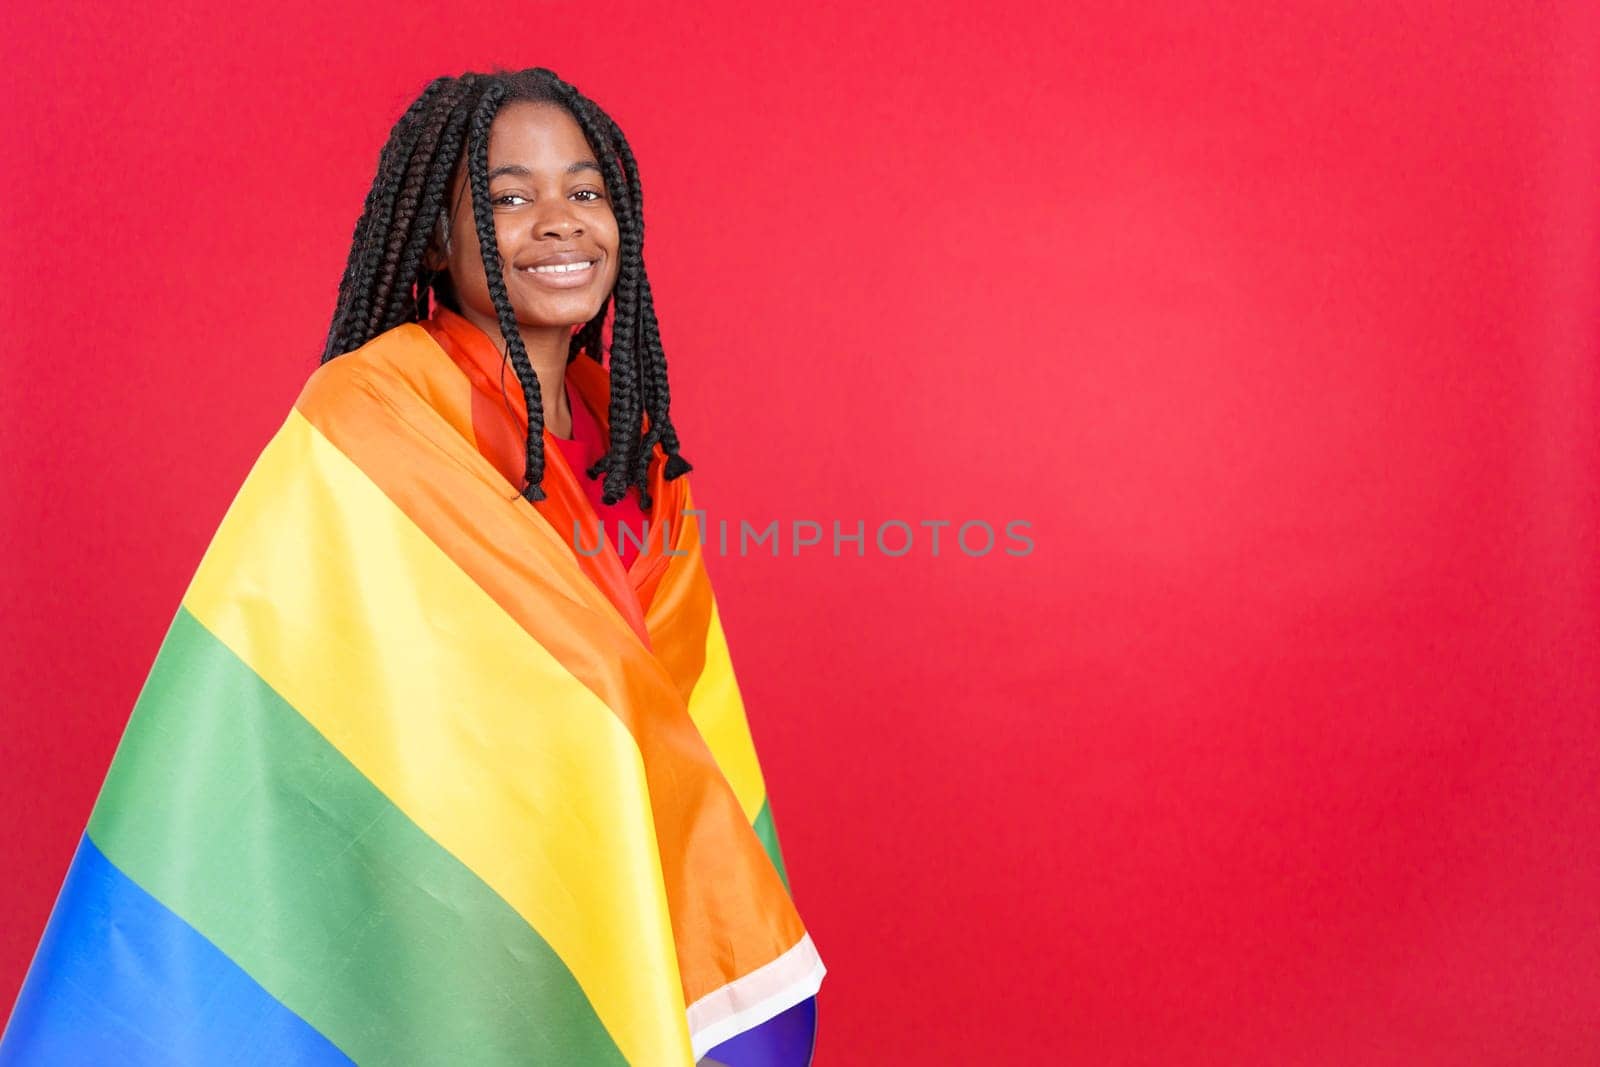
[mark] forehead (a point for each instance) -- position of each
(539, 136)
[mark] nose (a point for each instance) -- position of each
(558, 219)
(561, 229)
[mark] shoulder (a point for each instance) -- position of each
(393, 357)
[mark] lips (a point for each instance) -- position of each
(557, 258)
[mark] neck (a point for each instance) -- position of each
(547, 348)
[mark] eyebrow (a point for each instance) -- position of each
(520, 171)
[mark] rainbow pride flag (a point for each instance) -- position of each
(406, 785)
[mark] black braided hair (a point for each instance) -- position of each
(386, 282)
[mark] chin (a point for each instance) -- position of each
(534, 318)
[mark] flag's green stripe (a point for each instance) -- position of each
(229, 808)
(769, 839)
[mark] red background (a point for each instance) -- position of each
(1279, 327)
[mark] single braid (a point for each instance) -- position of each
(658, 393)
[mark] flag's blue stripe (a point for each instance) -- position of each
(119, 979)
(788, 1039)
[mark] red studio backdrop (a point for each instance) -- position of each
(1277, 327)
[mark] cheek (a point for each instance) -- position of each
(466, 260)
(466, 244)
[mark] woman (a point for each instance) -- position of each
(424, 772)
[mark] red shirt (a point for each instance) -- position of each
(581, 450)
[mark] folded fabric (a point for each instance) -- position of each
(413, 782)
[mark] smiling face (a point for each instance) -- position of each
(551, 211)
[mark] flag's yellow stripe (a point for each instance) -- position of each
(718, 711)
(451, 709)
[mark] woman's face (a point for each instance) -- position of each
(550, 209)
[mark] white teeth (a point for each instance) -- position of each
(562, 268)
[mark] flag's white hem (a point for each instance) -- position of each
(760, 995)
